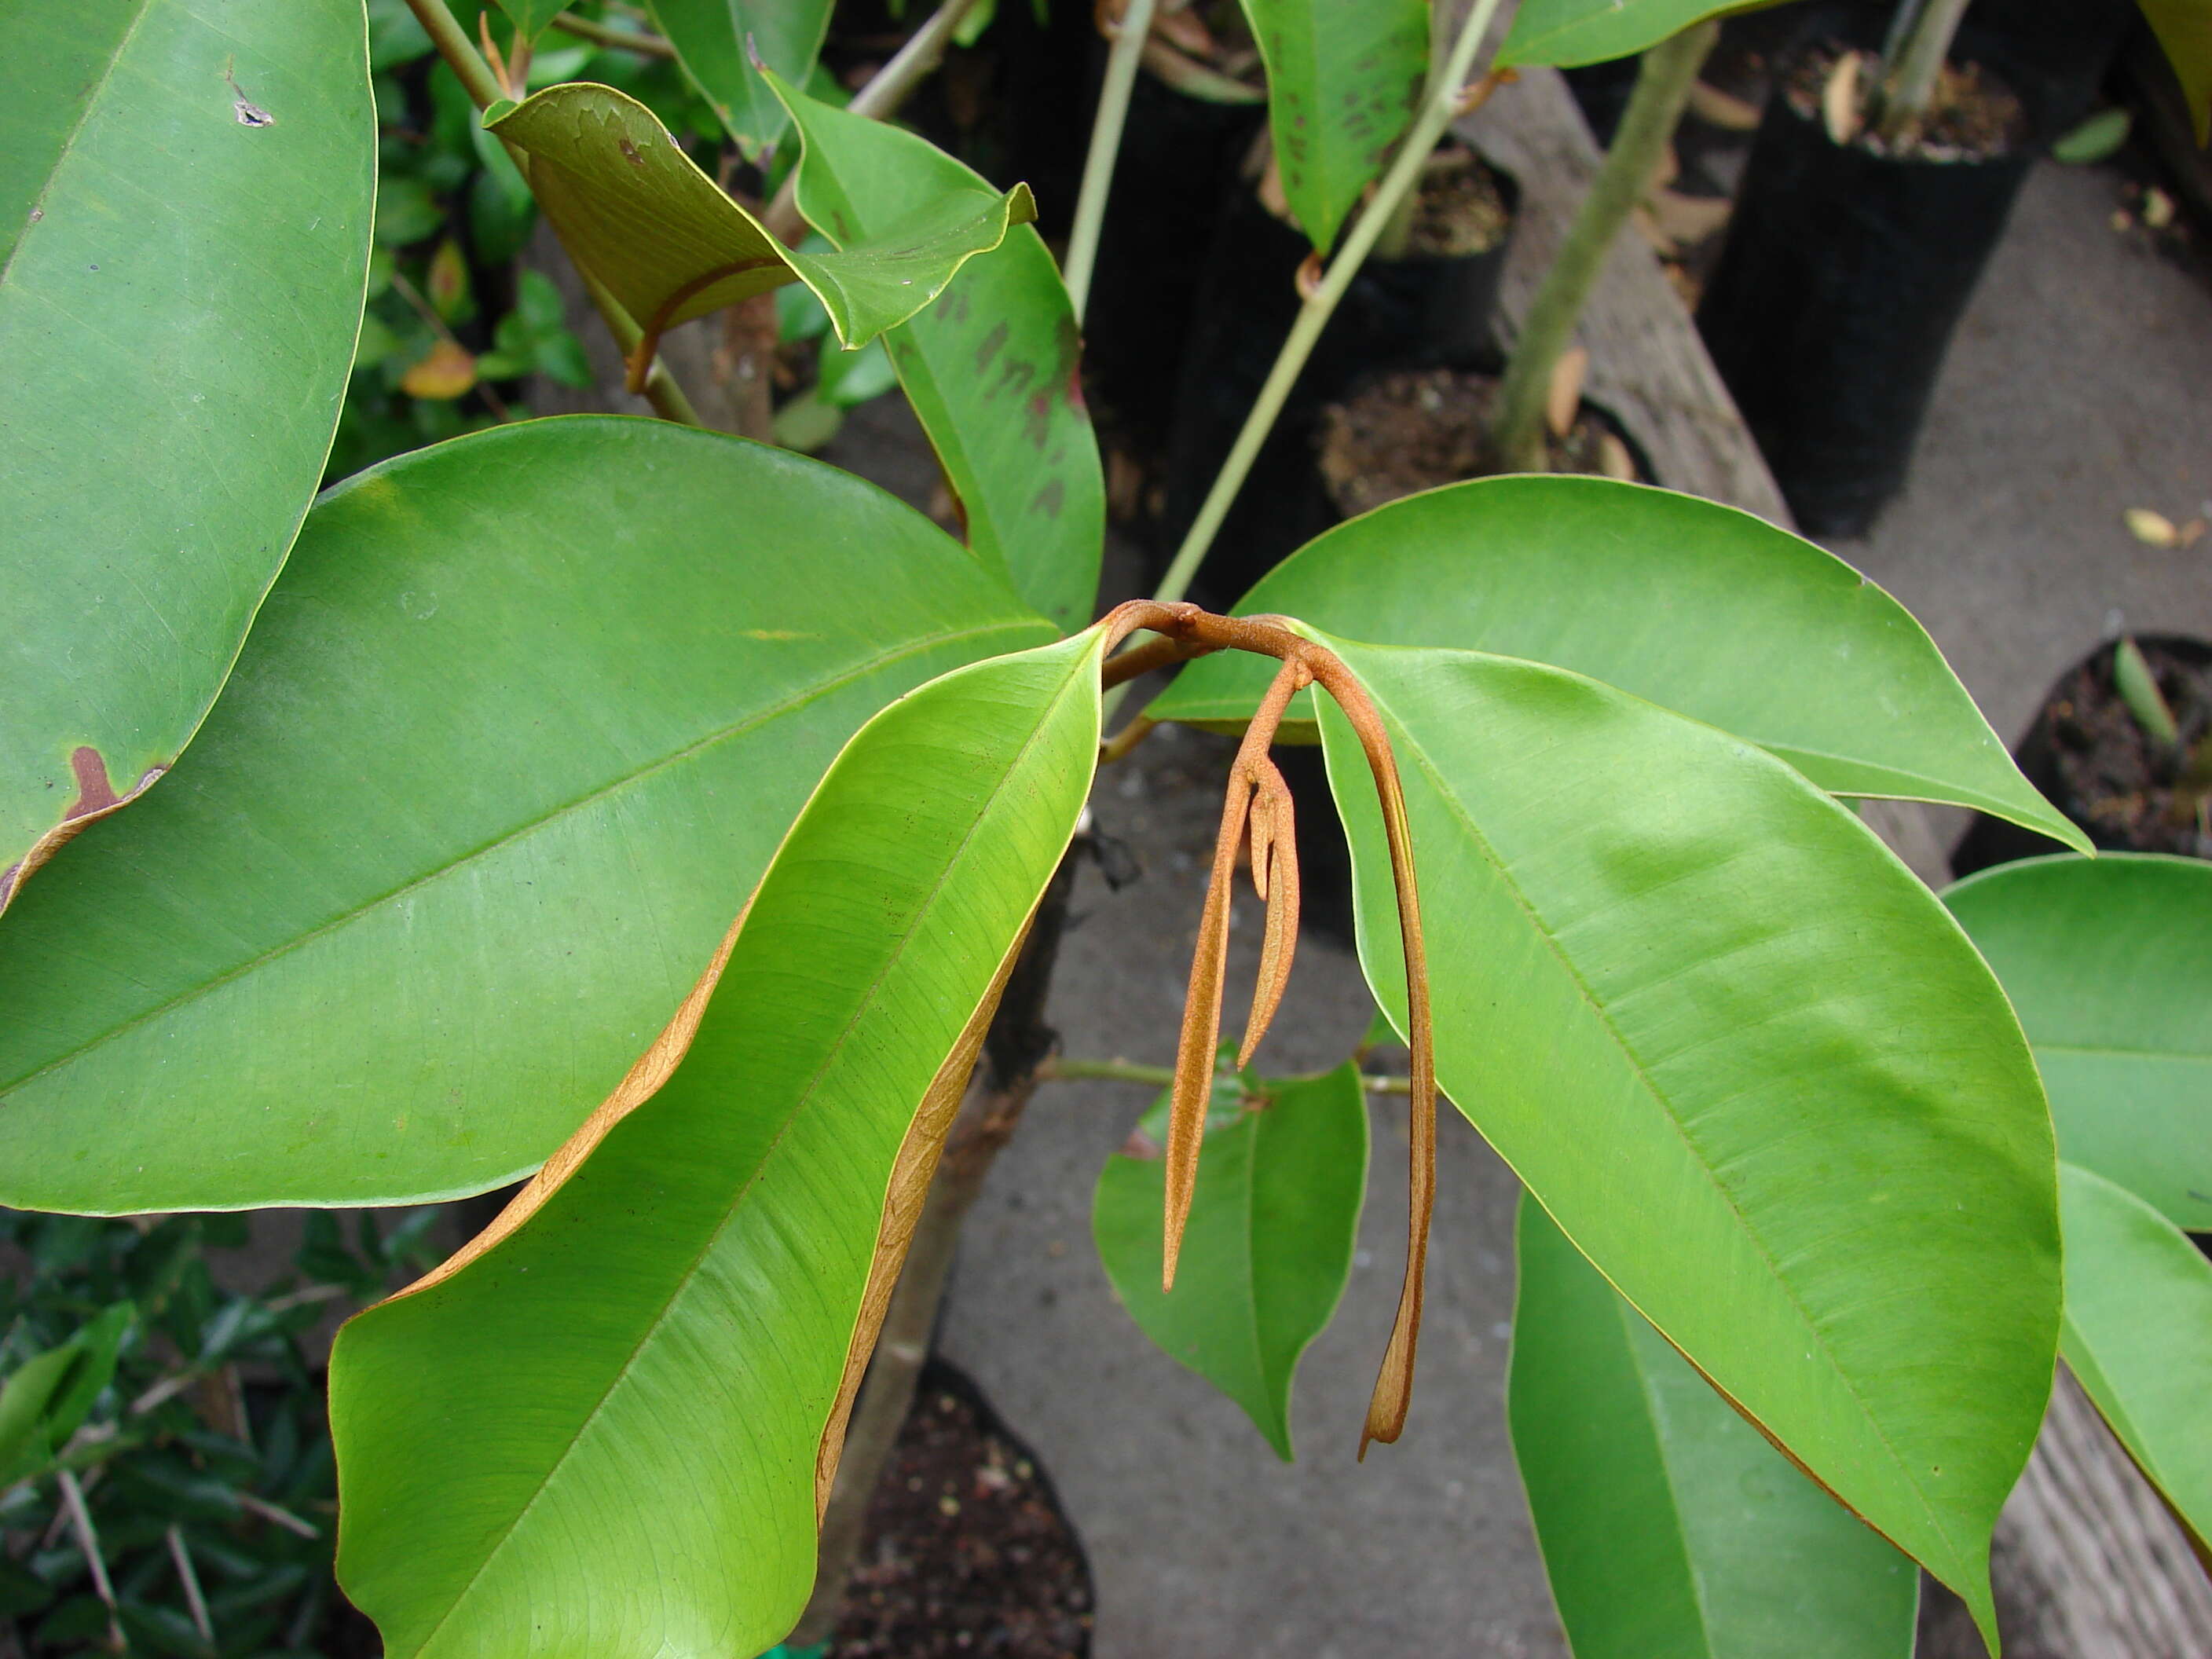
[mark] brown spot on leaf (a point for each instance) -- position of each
(1037, 418)
(989, 347)
(629, 152)
(1050, 499)
(95, 798)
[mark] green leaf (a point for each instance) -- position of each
(721, 43)
(2094, 139)
(1566, 32)
(1700, 608)
(1668, 1524)
(672, 246)
(517, 731)
(2105, 961)
(991, 369)
(608, 1429)
(185, 198)
(1268, 1245)
(1749, 1064)
(2138, 1336)
(2183, 28)
(529, 17)
(49, 1395)
(1343, 82)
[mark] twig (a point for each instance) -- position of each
(88, 1541)
(1440, 103)
(1135, 26)
(602, 35)
(195, 1603)
(282, 1517)
(887, 88)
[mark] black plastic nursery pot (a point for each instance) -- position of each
(2089, 756)
(1843, 278)
(1417, 310)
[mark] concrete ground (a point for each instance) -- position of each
(2079, 387)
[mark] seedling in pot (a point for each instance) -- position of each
(2191, 762)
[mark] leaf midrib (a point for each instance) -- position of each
(94, 95)
(1407, 744)
(763, 717)
(801, 1100)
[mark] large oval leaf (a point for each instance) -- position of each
(1668, 1525)
(2105, 962)
(1342, 84)
(1566, 32)
(991, 369)
(1749, 1065)
(1267, 1246)
(520, 727)
(184, 243)
(2183, 28)
(2138, 1335)
(720, 42)
(670, 245)
(1700, 608)
(609, 1433)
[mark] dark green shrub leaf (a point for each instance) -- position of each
(2105, 961)
(1342, 84)
(1700, 608)
(1268, 1244)
(990, 369)
(517, 733)
(185, 198)
(1668, 1524)
(1570, 32)
(718, 40)
(2138, 1335)
(1749, 1065)
(609, 1431)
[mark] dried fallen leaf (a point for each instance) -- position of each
(447, 373)
(1613, 458)
(2157, 209)
(1839, 100)
(1688, 220)
(1566, 395)
(2152, 528)
(1721, 109)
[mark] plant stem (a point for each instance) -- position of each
(454, 45)
(1908, 75)
(1662, 86)
(1439, 103)
(887, 88)
(1136, 25)
(602, 35)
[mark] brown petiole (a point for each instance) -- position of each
(1258, 804)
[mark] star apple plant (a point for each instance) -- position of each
(661, 816)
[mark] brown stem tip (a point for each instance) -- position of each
(1258, 804)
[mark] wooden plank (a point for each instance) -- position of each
(1647, 364)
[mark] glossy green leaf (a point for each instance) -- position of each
(2183, 28)
(1268, 1247)
(516, 733)
(1566, 32)
(719, 42)
(1700, 608)
(47, 1396)
(1343, 82)
(2105, 962)
(529, 17)
(603, 1431)
(184, 204)
(1668, 1525)
(991, 369)
(672, 245)
(2138, 1336)
(1749, 1065)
